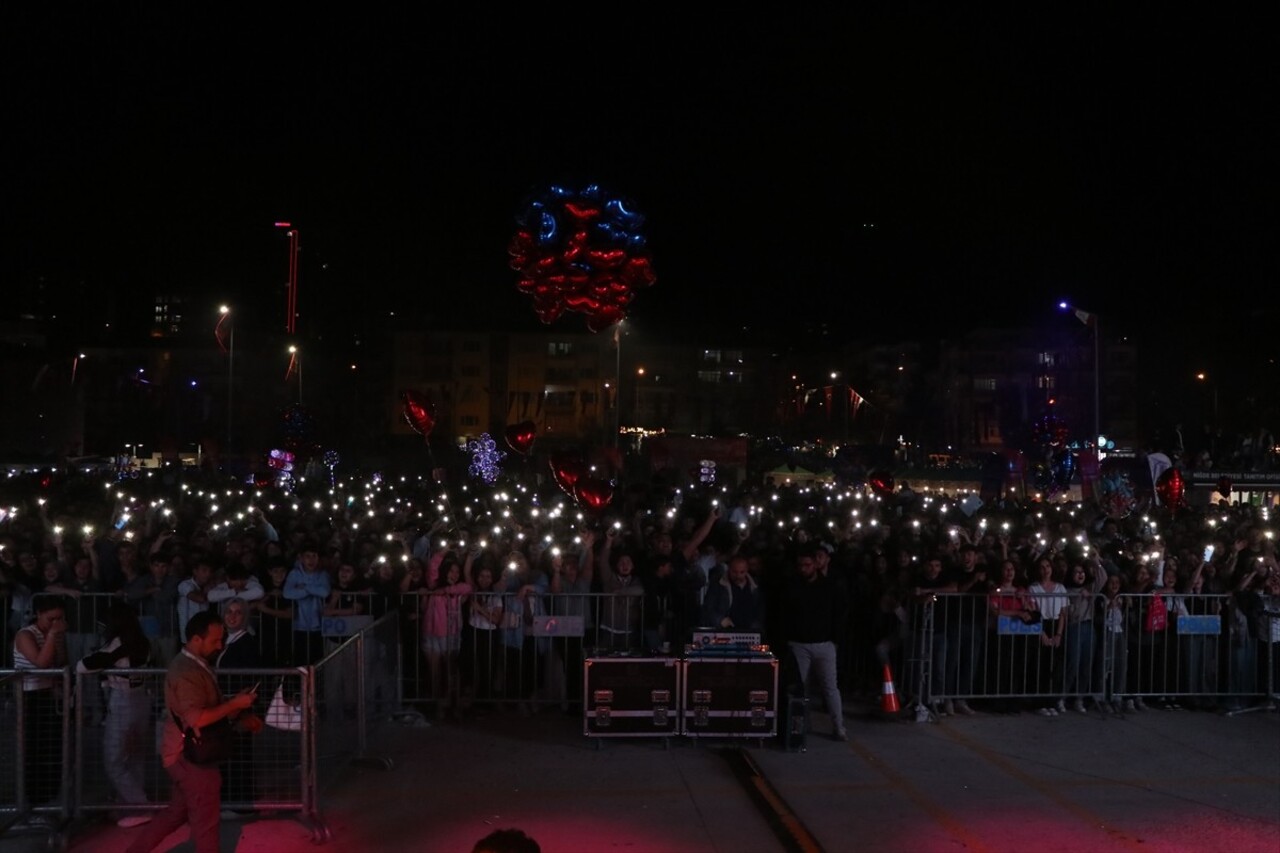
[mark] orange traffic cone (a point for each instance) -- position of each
(889, 698)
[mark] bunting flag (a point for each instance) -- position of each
(1085, 317)
(855, 401)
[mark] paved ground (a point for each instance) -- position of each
(1161, 780)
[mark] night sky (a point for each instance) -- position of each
(889, 176)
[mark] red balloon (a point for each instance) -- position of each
(567, 469)
(419, 412)
(593, 494)
(520, 436)
(604, 317)
(881, 483)
(1171, 488)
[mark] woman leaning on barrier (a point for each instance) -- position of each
(1009, 649)
(42, 645)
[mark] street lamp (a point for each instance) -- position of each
(1204, 377)
(225, 318)
(1090, 320)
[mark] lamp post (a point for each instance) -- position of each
(617, 378)
(225, 317)
(1213, 386)
(1091, 320)
(295, 363)
(635, 414)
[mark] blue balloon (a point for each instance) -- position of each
(592, 192)
(548, 228)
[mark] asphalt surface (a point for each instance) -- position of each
(1159, 780)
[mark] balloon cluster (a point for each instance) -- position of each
(331, 460)
(1117, 496)
(580, 251)
(1054, 474)
(299, 426)
(281, 461)
(1050, 430)
(485, 457)
(707, 472)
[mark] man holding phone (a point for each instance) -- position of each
(191, 695)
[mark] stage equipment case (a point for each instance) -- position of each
(631, 696)
(730, 696)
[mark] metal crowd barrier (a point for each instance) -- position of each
(318, 721)
(961, 646)
(35, 738)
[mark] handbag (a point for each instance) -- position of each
(208, 747)
(1157, 615)
(281, 714)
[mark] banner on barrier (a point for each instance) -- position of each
(344, 626)
(1014, 625)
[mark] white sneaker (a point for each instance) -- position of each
(1061, 707)
(1078, 705)
(133, 820)
(1128, 706)
(949, 708)
(963, 707)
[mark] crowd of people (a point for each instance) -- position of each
(1031, 605)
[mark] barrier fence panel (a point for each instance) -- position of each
(497, 649)
(119, 768)
(34, 753)
(381, 689)
(335, 710)
(1021, 648)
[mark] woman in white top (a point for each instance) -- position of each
(42, 645)
(1051, 600)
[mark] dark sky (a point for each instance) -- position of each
(1004, 164)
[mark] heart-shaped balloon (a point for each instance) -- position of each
(419, 412)
(1171, 488)
(603, 318)
(881, 483)
(567, 469)
(520, 436)
(593, 494)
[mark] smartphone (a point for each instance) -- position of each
(1208, 553)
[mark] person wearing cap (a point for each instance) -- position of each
(308, 588)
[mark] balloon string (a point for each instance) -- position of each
(448, 504)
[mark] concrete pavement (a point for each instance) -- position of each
(1160, 780)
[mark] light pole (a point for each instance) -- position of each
(291, 298)
(617, 377)
(1091, 320)
(1213, 386)
(636, 411)
(295, 363)
(225, 317)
